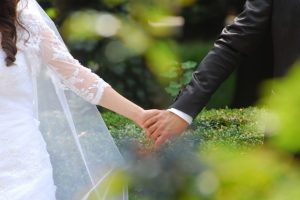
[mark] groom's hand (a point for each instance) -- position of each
(163, 126)
(146, 115)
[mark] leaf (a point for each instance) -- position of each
(173, 88)
(174, 84)
(52, 12)
(187, 77)
(189, 65)
(173, 71)
(171, 74)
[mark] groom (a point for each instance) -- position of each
(273, 25)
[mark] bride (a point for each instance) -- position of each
(53, 144)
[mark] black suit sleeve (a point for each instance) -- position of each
(235, 43)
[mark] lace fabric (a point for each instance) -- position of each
(56, 56)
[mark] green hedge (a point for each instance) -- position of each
(176, 168)
(236, 127)
(232, 162)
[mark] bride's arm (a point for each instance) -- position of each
(112, 100)
(80, 79)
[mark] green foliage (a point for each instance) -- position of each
(237, 128)
(127, 43)
(131, 42)
(176, 169)
(282, 120)
(184, 77)
(260, 174)
(116, 180)
(220, 99)
(123, 129)
(232, 162)
(196, 51)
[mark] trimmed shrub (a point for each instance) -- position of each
(232, 162)
(235, 127)
(175, 170)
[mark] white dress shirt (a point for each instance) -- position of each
(182, 115)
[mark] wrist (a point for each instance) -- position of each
(137, 115)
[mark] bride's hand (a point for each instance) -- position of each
(145, 115)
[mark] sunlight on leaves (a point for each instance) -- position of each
(161, 58)
(111, 187)
(283, 120)
(93, 26)
(52, 13)
(256, 174)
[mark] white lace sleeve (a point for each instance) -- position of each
(55, 54)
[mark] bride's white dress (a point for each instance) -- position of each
(25, 167)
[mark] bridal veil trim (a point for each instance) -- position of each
(83, 153)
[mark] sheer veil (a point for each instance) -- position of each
(83, 153)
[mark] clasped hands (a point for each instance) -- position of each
(162, 125)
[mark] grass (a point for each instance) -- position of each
(235, 127)
(176, 164)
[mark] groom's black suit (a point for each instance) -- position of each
(273, 25)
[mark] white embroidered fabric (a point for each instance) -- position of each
(25, 167)
(55, 54)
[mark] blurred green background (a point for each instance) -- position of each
(138, 46)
